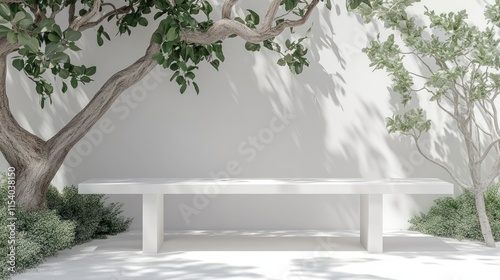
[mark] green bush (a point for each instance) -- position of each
(38, 235)
(457, 217)
(69, 219)
(93, 219)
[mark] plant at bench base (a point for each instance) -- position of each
(36, 37)
(38, 235)
(93, 219)
(457, 217)
(69, 219)
(459, 72)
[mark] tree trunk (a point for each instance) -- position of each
(32, 183)
(483, 219)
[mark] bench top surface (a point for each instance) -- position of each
(265, 186)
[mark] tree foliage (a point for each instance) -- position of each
(44, 44)
(460, 71)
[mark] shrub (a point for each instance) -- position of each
(38, 235)
(457, 217)
(69, 219)
(93, 219)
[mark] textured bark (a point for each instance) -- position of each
(483, 220)
(226, 27)
(69, 135)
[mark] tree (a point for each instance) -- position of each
(459, 72)
(185, 35)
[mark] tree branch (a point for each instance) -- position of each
(119, 11)
(73, 131)
(494, 173)
(446, 110)
(487, 151)
(270, 15)
(227, 9)
(226, 27)
(56, 12)
(17, 145)
(81, 20)
(459, 182)
(71, 13)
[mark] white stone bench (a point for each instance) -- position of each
(370, 191)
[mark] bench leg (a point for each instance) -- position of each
(371, 222)
(152, 223)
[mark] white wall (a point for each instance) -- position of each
(336, 128)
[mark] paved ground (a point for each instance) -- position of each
(273, 255)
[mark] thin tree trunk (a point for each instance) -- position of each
(483, 219)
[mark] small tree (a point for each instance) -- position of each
(185, 35)
(460, 66)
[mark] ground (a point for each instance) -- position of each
(273, 255)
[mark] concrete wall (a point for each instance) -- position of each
(327, 122)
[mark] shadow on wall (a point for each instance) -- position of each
(338, 129)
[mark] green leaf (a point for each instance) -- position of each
(74, 82)
(180, 80)
(4, 30)
(253, 16)
(12, 37)
(171, 34)
(190, 75)
(74, 47)
(19, 16)
(196, 88)
(64, 87)
(220, 56)
(64, 73)
(100, 41)
(159, 58)
(215, 63)
(176, 73)
(143, 21)
(72, 35)
(90, 71)
(5, 11)
(207, 8)
(45, 24)
(329, 4)
(26, 22)
(298, 68)
(183, 88)
(157, 38)
(53, 37)
(281, 62)
(18, 64)
(85, 79)
(60, 57)
(52, 48)
(106, 35)
(252, 47)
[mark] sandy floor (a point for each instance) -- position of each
(278, 255)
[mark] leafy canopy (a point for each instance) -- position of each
(44, 42)
(460, 62)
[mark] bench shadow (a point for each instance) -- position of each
(274, 241)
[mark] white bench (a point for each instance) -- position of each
(370, 191)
